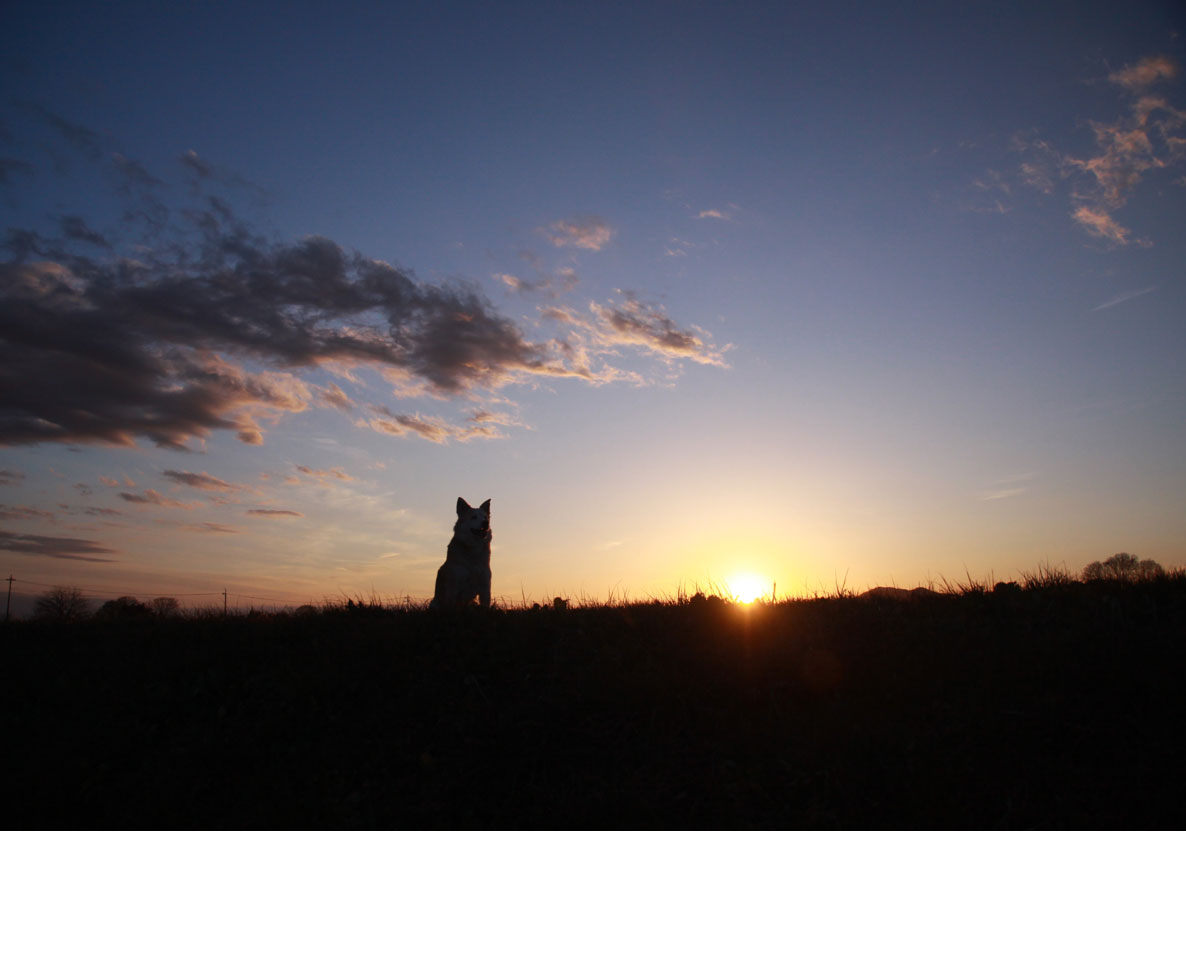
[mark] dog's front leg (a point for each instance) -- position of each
(484, 592)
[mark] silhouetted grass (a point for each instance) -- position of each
(1044, 704)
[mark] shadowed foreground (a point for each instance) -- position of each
(1050, 707)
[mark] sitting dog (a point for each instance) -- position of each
(466, 570)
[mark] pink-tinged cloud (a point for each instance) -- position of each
(516, 284)
(589, 233)
(497, 418)
(1099, 223)
(153, 497)
(201, 480)
(638, 324)
(711, 214)
(324, 475)
(562, 314)
(334, 397)
(1125, 155)
(431, 429)
(1147, 71)
(275, 513)
(564, 280)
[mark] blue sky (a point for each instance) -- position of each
(688, 290)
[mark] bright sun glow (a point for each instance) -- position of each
(746, 587)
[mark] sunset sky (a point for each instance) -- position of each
(824, 294)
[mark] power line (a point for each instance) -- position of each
(104, 592)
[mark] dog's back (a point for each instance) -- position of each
(465, 573)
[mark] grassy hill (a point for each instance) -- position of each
(1053, 706)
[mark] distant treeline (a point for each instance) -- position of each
(70, 604)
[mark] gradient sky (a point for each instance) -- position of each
(857, 293)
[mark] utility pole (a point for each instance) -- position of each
(224, 602)
(8, 605)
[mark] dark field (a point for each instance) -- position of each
(1053, 707)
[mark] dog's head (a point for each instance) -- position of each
(473, 525)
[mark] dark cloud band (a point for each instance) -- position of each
(56, 547)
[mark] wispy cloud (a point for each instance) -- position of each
(153, 497)
(334, 397)
(201, 480)
(995, 495)
(498, 419)
(588, 233)
(14, 166)
(277, 513)
(630, 322)
(198, 165)
(1005, 488)
(516, 284)
(1144, 73)
(988, 194)
(1099, 223)
(23, 512)
(633, 322)
(563, 281)
(608, 545)
(56, 547)
(77, 136)
(431, 429)
(325, 476)
(1124, 298)
(75, 228)
(208, 527)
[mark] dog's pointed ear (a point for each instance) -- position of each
(485, 506)
(462, 505)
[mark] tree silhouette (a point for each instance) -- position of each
(1149, 569)
(166, 606)
(62, 604)
(1123, 567)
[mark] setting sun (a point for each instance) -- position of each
(747, 587)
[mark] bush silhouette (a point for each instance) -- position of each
(122, 608)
